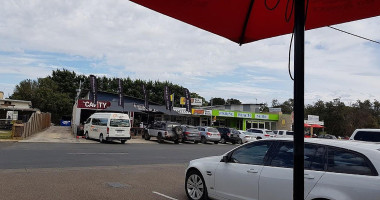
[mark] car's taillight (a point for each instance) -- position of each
(266, 135)
(247, 137)
(228, 134)
(187, 133)
(166, 133)
(208, 133)
(108, 130)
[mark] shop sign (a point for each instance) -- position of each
(244, 115)
(90, 105)
(226, 114)
(196, 101)
(198, 112)
(313, 118)
(275, 110)
(208, 112)
(261, 116)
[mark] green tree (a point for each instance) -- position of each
(217, 101)
(233, 101)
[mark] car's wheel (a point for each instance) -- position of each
(86, 136)
(195, 186)
(196, 142)
(176, 141)
(216, 142)
(123, 141)
(159, 138)
(101, 139)
(259, 138)
(240, 141)
(146, 136)
(223, 141)
(203, 140)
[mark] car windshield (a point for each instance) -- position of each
(289, 133)
(369, 136)
(119, 123)
(191, 129)
(212, 130)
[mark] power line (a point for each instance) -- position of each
(354, 34)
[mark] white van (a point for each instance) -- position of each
(108, 127)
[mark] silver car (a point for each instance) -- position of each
(209, 134)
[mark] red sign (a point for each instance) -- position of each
(90, 105)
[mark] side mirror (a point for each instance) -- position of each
(225, 159)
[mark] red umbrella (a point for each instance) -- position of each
(317, 126)
(307, 125)
(244, 21)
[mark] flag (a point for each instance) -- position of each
(145, 93)
(167, 98)
(93, 90)
(120, 92)
(188, 100)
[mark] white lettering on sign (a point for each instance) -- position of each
(226, 114)
(208, 112)
(244, 115)
(261, 116)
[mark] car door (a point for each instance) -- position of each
(276, 180)
(238, 178)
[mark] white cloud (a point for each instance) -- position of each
(119, 38)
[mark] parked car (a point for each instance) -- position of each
(164, 131)
(261, 133)
(229, 135)
(246, 136)
(190, 133)
(209, 134)
(327, 136)
(369, 135)
(283, 133)
(108, 127)
(334, 169)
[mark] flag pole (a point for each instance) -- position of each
(299, 82)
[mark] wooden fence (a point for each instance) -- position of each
(36, 123)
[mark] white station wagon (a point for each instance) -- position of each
(263, 170)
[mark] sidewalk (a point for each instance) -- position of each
(62, 134)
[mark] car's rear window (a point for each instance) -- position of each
(119, 123)
(212, 130)
(289, 133)
(369, 136)
(269, 132)
(191, 129)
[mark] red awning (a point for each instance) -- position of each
(317, 126)
(245, 21)
(306, 125)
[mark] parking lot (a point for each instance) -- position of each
(52, 170)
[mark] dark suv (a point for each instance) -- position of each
(229, 135)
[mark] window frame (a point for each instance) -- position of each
(266, 157)
(280, 143)
(367, 160)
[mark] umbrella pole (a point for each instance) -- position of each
(299, 81)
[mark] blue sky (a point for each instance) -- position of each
(118, 38)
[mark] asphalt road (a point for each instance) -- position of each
(38, 171)
(60, 155)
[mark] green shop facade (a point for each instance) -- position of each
(246, 120)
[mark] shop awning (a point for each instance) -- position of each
(162, 109)
(306, 125)
(317, 126)
(128, 107)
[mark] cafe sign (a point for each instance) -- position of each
(226, 114)
(198, 112)
(88, 104)
(261, 116)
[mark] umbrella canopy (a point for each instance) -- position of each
(245, 21)
(306, 125)
(317, 126)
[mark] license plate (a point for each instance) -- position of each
(118, 131)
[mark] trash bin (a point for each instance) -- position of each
(17, 130)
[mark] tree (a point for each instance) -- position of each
(233, 101)
(217, 101)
